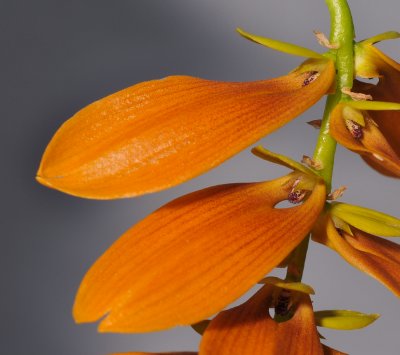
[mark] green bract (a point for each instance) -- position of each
(294, 286)
(280, 46)
(343, 319)
(367, 220)
(374, 105)
(280, 159)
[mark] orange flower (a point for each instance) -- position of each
(358, 131)
(198, 253)
(249, 328)
(160, 133)
(375, 256)
(375, 134)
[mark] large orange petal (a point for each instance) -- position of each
(374, 146)
(160, 133)
(387, 89)
(194, 256)
(249, 329)
(377, 258)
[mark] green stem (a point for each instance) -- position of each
(342, 34)
(298, 258)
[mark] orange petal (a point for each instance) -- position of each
(376, 257)
(372, 244)
(160, 133)
(373, 146)
(141, 353)
(249, 329)
(194, 256)
(387, 89)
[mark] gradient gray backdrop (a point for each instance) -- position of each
(58, 56)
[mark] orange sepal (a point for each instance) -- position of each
(160, 133)
(373, 146)
(249, 329)
(194, 256)
(372, 255)
(387, 89)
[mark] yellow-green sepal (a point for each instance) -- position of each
(294, 286)
(353, 114)
(374, 105)
(381, 37)
(342, 225)
(280, 159)
(201, 326)
(343, 319)
(366, 65)
(280, 46)
(367, 220)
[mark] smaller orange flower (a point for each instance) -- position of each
(198, 253)
(358, 131)
(375, 134)
(250, 329)
(373, 255)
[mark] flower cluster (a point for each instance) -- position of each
(190, 259)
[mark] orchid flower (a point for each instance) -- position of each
(371, 128)
(194, 256)
(250, 329)
(349, 230)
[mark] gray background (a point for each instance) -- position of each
(58, 56)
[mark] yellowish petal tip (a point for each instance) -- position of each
(381, 37)
(42, 180)
(344, 319)
(294, 286)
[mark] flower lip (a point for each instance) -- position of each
(160, 133)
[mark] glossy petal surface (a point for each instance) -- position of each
(249, 329)
(194, 256)
(160, 133)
